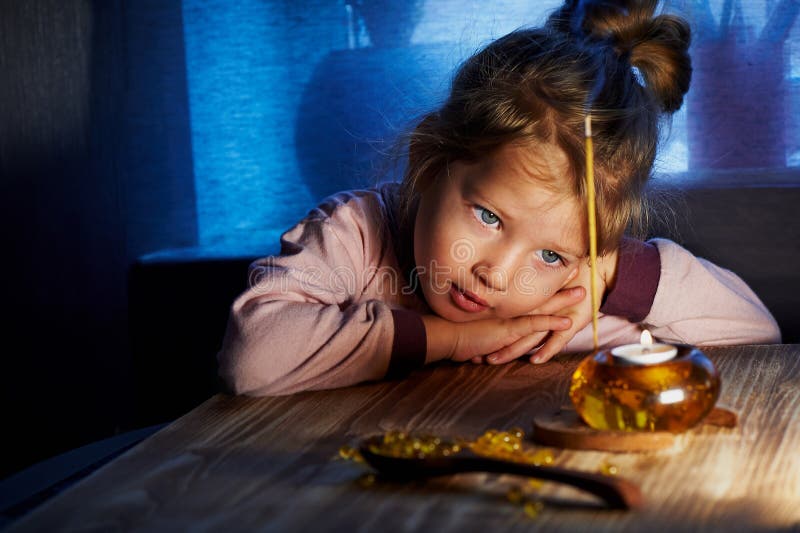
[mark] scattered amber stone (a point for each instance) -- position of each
(532, 508)
(535, 484)
(509, 446)
(608, 469)
(495, 444)
(349, 453)
(366, 480)
(346, 452)
(399, 444)
(514, 495)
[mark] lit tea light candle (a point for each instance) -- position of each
(646, 352)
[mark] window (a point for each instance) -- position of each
(291, 101)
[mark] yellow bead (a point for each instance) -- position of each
(399, 444)
(608, 469)
(367, 480)
(541, 457)
(532, 509)
(535, 484)
(514, 495)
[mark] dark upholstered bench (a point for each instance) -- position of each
(178, 307)
(179, 299)
(751, 228)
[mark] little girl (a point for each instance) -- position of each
(480, 254)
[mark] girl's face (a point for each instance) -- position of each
(498, 237)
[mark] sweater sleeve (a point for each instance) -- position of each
(301, 325)
(680, 298)
(700, 303)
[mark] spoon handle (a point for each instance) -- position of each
(616, 492)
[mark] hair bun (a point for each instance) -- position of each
(658, 46)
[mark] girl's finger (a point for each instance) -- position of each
(530, 324)
(551, 347)
(478, 359)
(516, 349)
(562, 300)
(572, 275)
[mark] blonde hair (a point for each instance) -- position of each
(618, 59)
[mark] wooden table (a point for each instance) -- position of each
(239, 463)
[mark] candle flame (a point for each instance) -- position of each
(646, 338)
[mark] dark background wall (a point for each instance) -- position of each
(95, 169)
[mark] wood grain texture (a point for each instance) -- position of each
(269, 464)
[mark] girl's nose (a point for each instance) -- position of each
(495, 272)
(495, 278)
(497, 265)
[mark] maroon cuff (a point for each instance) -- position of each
(638, 274)
(409, 344)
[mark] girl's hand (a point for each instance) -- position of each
(560, 304)
(580, 313)
(462, 341)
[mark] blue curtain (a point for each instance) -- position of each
(292, 101)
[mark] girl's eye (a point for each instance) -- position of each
(549, 257)
(485, 216)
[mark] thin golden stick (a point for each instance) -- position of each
(590, 200)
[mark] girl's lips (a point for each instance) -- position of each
(475, 298)
(467, 301)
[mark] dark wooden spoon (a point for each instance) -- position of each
(617, 493)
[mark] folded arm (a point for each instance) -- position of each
(680, 298)
(305, 323)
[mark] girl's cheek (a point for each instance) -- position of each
(538, 282)
(556, 282)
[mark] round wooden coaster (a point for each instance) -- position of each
(719, 416)
(565, 429)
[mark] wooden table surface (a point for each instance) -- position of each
(238, 463)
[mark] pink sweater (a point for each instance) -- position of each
(336, 307)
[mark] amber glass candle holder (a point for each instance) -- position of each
(612, 393)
